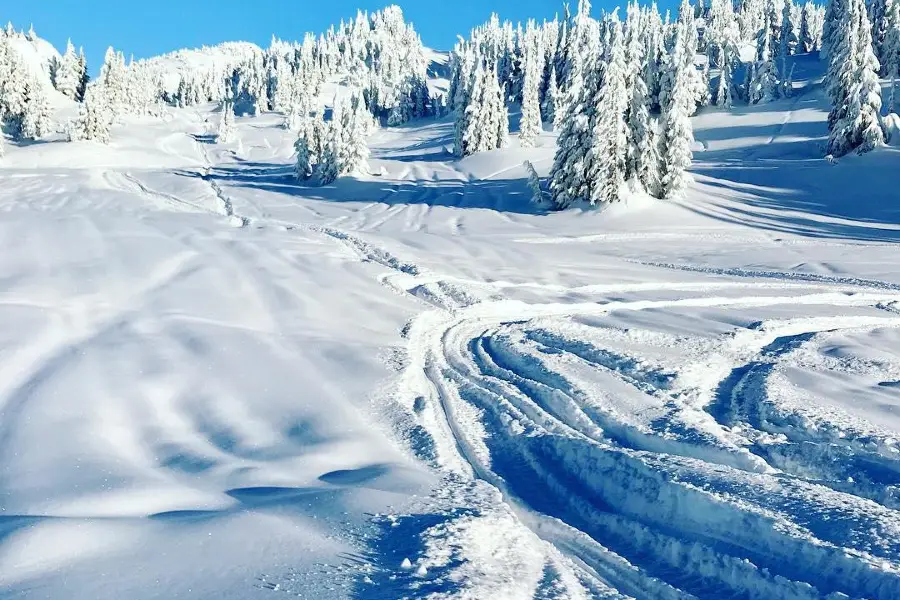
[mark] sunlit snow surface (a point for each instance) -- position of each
(217, 383)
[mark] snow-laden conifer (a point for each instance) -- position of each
(856, 90)
(530, 122)
(226, 132)
(609, 143)
(891, 48)
(677, 131)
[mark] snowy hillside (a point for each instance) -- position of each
(220, 381)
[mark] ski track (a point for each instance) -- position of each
(669, 508)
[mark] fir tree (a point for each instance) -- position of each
(225, 133)
(807, 42)
(68, 73)
(37, 117)
(609, 137)
(677, 135)
(530, 123)
(642, 158)
(94, 118)
(891, 48)
(856, 90)
(551, 99)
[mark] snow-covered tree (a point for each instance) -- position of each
(576, 120)
(765, 85)
(225, 133)
(94, 119)
(530, 126)
(37, 118)
(67, 77)
(534, 184)
(890, 48)
(310, 145)
(112, 77)
(84, 78)
(355, 123)
(854, 86)
(610, 136)
(807, 42)
(677, 134)
(642, 156)
(551, 98)
(483, 124)
(788, 37)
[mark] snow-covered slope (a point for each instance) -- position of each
(219, 383)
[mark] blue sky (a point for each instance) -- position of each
(147, 28)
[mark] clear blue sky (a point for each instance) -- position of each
(150, 27)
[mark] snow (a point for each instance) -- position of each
(220, 382)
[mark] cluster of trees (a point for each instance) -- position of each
(378, 53)
(326, 151)
(620, 94)
(25, 110)
(859, 41)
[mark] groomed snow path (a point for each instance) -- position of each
(218, 383)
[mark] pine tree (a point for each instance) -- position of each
(877, 11)
(530, 126)
(576, 121)
(807, 42)
(225, 134)
(855, 120)
(551, 98)
(609, 137)
(94, 118)
(352, 149)
(327, 170)
(788, 38)
(677, 135)
(68, 73)
(891, 48)
(642, 158)
(37, 118)
(765, 84)
(310, 145)
(534, 184)
(112, 77)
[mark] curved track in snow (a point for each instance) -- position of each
(651, 464)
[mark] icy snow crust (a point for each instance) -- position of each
(218, 383)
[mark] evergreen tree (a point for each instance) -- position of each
(807, 42)
(677, 135)
(765, 84)
(891, 48)
(855, 117)
(642, 158)
(609, 138)
(226, 132)
(355, 122)
(551, 98)
(310, 146)
(530, 123)
(112, 77)
(68, 73)
(788, 38)
(94, 118)
(37, 117)
(572, 160)
(877, 11)
(534, 184)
